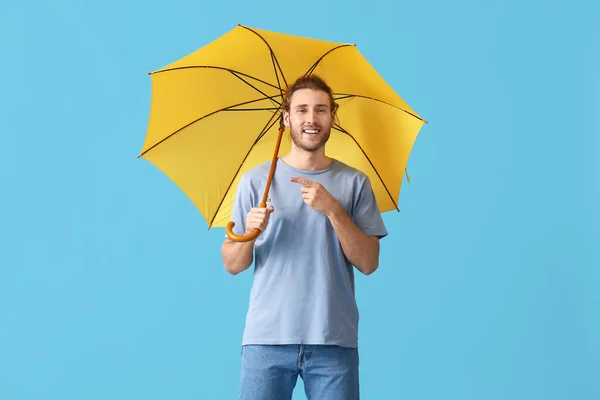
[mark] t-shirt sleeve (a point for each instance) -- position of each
(242, 204)
(366, 213)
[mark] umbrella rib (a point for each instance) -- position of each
(314, 66)
(339, 128)
(270, 125)
(273, 57)
(345, 96)
(214, 67)
(252, 86)
(265, 129)
(253, 109)
(228, 108)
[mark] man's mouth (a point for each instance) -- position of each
(311, 131)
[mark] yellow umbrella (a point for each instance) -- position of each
(215, 114)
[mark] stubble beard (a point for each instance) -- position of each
(296, 134)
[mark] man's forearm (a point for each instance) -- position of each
(237, 256)
(361, 250)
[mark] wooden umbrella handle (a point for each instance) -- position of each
(254, 234)
(246, 238)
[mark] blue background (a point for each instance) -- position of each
(111, 287)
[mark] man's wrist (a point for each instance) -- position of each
(336, 212)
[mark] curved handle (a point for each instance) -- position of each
(237, 238)
(254, 234)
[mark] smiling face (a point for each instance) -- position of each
(310, 119)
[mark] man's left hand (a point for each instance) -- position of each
(317, 197)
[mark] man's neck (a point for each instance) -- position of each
(307, 160)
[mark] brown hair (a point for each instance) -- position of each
(313, 82)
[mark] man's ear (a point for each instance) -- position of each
(286, 118)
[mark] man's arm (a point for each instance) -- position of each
(237, 256)
(360, 249)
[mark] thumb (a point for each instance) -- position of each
(270, 209)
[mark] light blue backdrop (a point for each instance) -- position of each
(111, 287)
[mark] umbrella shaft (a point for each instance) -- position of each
(263, 204)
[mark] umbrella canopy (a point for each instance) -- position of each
(216, 113)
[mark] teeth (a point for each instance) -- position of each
(312, 131)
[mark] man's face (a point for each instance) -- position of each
(310, 119)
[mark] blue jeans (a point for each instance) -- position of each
(271, 372)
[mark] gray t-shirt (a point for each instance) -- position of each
(303, 287)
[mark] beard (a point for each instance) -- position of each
(296, 133)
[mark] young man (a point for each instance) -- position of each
(321, 221)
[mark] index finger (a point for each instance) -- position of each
(258, 210)
(302, 181)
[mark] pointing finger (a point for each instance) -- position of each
(302, 181)
(260, 210)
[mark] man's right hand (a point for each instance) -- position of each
(258, 218)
